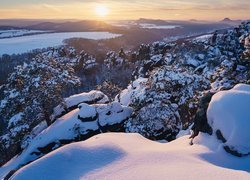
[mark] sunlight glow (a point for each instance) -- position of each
(101, 10)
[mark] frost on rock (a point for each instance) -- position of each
(228, 115)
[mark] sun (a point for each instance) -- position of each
(101, 10)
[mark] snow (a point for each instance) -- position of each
(201, 56)
(136, 89)
(14, 93)
(87, 111)
(156, 58)
(61, 129)
(39, 128)
(75, 100)
(86, 97)
(15, 119)
(192, 62)
(112, 114)
(18, 32)
(70, 127)
(182, 133)
(154, 26)
(3, 103)
(203, 38)
(229, 112)
(130, 156)
(242, 87)
(24, 44)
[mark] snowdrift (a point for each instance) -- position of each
(229, 116)
(130, 156)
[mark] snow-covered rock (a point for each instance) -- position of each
(72, 102)
(203, 38)
(79, 124)
(229, 116)
(15, 120)
(87, 113)
(112, 116)
(134, 90)
(166, 103)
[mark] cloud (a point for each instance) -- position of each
(127, 8)
(52, 7)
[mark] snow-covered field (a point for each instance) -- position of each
(154, 26)
(18, 32)
(24, 44)
(130, 156)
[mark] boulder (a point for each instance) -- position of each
(228, 115)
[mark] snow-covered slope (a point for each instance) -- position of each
(130, 156)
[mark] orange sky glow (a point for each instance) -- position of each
(126, 9)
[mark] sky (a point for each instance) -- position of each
(125, 9)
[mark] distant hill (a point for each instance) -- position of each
(86, 25)
(152, 21)
(230, 21)
(227, 20)
(8, 27)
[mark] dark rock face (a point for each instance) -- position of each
(47, 148)
(88, 119)
(234, 152)
(220, 136)
(119, 127)
(200, 120)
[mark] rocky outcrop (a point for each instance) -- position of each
(171, 79)
(200, 119)
(77, 125)
(72, 102)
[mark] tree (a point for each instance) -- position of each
(31, 93)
